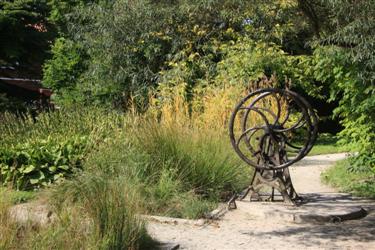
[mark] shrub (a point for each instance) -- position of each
(346, 61)
(32, 165)
(35, 153)
(62, 72)
(356, 100)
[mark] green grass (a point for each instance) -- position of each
(16, 197)
(134, 166)
(327, 144)
(360, 183)
(178, 171)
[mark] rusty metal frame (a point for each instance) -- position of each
(270, 156)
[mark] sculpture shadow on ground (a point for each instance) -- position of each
(363, 231)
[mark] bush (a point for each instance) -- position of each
(207, 90)
(62, 72)
(346, 62)
(35, 153)
(356, 100)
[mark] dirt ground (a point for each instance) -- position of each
(263, 225)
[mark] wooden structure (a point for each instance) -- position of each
(29, 91)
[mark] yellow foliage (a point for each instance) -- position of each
(209, 107)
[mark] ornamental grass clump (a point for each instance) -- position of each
(109, 208)
(99, 214)
(200, 159)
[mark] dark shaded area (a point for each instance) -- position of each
(327, 124)
(26, 34)
(20, 93)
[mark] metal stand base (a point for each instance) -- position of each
(276, 180)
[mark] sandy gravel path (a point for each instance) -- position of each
(253, 225)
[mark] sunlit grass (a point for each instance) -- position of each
(100, 214)
(16, 196)
(328, 144)
(361, 183)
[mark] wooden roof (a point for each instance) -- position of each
(19, 86)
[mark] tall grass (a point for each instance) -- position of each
(178, 171)
(94, 122)
(110, 208)
(174, 160)
(186, 162)
(200, 159)
(102, 215)
(94, 211)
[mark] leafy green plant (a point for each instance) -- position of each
(356, 100)
(33, 165)
(37, 152)
(61, 73)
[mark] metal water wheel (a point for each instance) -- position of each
(270, 129)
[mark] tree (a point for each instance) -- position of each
(26, 33)
(128, 42)
(349, 49)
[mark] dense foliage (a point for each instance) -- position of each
(176, 67)
(35, 165)
(36, 153)
(163, 162)
(154, 54)
(354, 74)
(25, 33)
